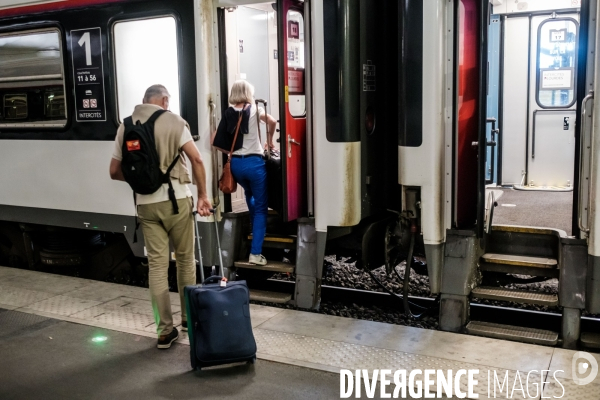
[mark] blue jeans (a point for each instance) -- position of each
(251, 174)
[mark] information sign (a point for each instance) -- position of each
(86, 49)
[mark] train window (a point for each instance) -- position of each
(557, 53)
(295, 59)
(32, 84)
(145, 54)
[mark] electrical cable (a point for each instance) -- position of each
(390, 292)
(406, 282)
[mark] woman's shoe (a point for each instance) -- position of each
(257, 259)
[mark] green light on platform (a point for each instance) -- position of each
(99, 339)
(95, 227)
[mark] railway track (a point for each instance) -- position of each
(480, 312)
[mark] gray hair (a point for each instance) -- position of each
(241, 92)
(155, 91)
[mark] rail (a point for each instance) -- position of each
(582, 137)
(215, 156)
(480, 312)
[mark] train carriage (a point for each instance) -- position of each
(399, 125)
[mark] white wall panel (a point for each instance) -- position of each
(514, 121)
(424, 165)
(337, 182)
(62, 175)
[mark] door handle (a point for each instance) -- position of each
(291, 141)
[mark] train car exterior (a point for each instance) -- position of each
(384, 133)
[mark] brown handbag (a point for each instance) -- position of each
(227, 183)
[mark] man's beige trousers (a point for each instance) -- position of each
(160, 224)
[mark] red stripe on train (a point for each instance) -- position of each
(57, 5)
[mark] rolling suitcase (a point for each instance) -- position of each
(219, 325)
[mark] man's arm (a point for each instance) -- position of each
(191, 151)
(115, 170)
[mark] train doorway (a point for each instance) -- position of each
(264, 44)
(531, 110)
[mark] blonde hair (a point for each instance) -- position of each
(241, 92)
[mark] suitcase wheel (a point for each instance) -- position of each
(252, 360)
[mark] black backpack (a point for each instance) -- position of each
(140, 163)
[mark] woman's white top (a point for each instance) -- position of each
(252, 143)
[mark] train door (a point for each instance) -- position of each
(470, 169)
(539, 100)
(265, 45)
(249, 50)
(493, 87)
(552, 102)
(293, 111)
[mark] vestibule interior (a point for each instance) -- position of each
(532, 54)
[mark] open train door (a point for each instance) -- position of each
(292, 112)
(472, 27)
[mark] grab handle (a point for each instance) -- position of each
(582, 141)
(215, 156)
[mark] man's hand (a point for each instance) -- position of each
(203, 207)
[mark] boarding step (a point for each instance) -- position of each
(515, 264)
(278, 241)
(514, 333)
(269, 297)
(516, 296)
(273, 266)
(590, 340)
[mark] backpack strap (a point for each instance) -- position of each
(155, 116)
(128, 122)
(171, 191)
(137, 224)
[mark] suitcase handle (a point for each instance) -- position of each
(212, 279)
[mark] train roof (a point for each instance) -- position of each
(10, 8)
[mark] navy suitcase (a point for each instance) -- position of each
(219, 325)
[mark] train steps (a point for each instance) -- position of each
(278, 241)
(518, 250)
(273, 242)
(519, 264)
(516, 296)
(514, 333)
(590, 340)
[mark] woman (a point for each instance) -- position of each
(247, 163)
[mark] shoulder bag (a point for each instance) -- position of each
(227, 183)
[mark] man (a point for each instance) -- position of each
(155, 211)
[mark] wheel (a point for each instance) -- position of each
(252, 360)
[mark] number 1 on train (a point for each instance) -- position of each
(85, 39)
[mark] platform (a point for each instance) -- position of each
(296, 338)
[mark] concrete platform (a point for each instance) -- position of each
(296, 338)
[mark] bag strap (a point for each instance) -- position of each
(171, 191)
(237, 130)
(128, 122)
(137, 224)
(258, 123)
(155, 116)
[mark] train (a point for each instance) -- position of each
(399, 124)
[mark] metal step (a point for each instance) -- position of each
(278, 241)
(517, 296)
(590, 340)
(520, 261)
(513, 269)
(273, 266)
(523, 229)
(514, 333)
(269, 297)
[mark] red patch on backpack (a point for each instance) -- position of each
(133, 145)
